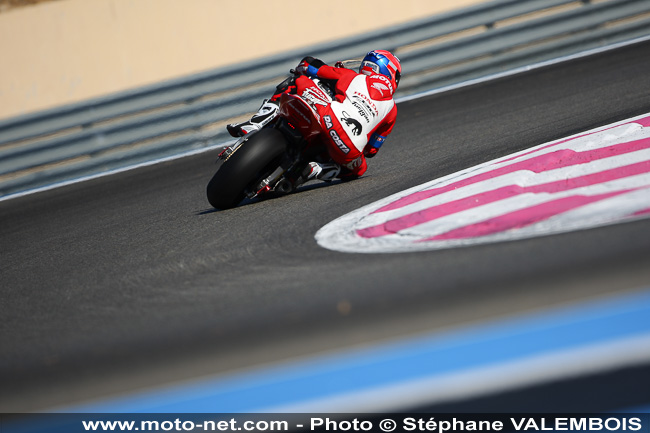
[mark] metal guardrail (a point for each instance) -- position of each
(190, 113)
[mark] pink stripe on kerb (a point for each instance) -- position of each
(550, 161)
(642, 212)
(467, 203)
(523, 217)
(645, 122)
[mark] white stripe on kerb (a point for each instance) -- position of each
(409, 226)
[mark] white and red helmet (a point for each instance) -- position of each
(382, 62)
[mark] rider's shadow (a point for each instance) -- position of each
(248, 202)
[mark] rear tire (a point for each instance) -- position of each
(226, 188)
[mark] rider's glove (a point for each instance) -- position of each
(369, 152)
(373, 145)
(308, 66)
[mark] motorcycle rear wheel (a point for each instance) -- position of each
(227, 187)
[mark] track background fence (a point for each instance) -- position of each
(190, 113)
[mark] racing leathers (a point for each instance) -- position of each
(355, 123)
(360, 117)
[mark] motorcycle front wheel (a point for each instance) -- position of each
(227, 187)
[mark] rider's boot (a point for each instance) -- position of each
(264, 115)
(321, 170)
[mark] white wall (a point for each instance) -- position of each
(70, 50)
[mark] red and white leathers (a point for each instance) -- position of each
(363, 110)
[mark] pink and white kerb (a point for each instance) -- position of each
(592, 179)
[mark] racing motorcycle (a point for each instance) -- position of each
(270, 162)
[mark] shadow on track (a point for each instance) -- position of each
(248, 202)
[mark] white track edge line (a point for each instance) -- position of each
(448, 88)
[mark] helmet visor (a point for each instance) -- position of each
(367, 66)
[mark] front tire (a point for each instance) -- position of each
(226, 188)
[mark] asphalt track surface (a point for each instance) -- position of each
(132, 280)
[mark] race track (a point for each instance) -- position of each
(132, 280)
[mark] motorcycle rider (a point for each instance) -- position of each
(356, 122)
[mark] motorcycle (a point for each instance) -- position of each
(270, 162)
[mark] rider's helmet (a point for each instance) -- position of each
(382, 62)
